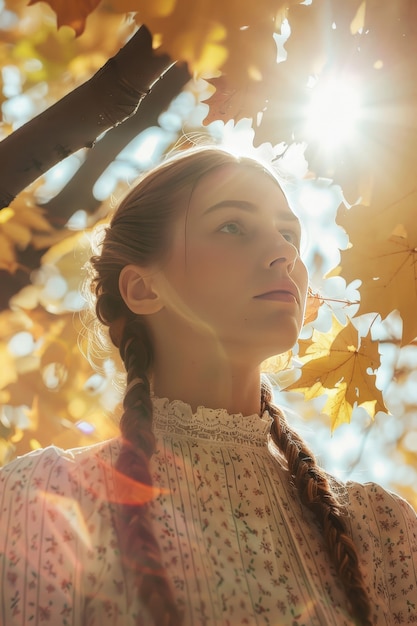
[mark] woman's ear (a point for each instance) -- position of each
(137, 289)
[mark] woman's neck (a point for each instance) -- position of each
(198, 385)
(199, 372)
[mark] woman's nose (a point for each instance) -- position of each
(282, 251)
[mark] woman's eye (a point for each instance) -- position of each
(232, 228)
(292, 237)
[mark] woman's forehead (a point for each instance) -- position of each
(237, 181)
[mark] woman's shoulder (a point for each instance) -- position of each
(372, 499)
(378, 514)
(385, 520)
(57, 471)
(384, 529)
(55, 491)
(54, 454)
(56, 524)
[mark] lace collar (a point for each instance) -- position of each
(178, 418)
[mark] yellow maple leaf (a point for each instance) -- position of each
(313, 304)
(337, 406)
(193, 32)
(383, 255)
(155, 8)
(235, 37)
(277, 363)
(73, 13)
(19, 224)
(8, 371)
(337, 363)
(54, 382)
(7, 254)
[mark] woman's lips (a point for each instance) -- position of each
(278, 295)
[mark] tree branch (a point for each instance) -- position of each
(78, 192)
(112, 95)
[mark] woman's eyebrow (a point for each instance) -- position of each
(240, 204)
(286, 215)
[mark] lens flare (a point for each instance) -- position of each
(333, 112)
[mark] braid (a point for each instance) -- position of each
(315, 493)
(140, 548)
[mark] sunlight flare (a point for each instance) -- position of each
(333, 112)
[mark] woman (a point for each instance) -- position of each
(209, 510)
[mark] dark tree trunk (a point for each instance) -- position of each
(78, 192)
(109, 101)
(112, 95)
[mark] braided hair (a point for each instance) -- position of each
(139, 234)
(140, 548)
(315, 493)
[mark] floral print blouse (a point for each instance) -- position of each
(237, 545)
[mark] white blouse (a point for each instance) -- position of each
(238, 546)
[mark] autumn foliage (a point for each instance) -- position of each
(262, 60)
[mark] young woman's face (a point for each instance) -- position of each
(235, 262)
